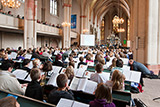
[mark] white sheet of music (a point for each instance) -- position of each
(135, 76)
(90, 87)
(28, 78)
(83, 67)
(52, 80)
(82, 84)
(20, 74)
(87, 74)
(127, 74)
(79, 72)
(74, 83)
(13, 55)
(28, 56)
(125, 61)
(78, 104)
(65, 103)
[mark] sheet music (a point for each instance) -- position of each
(90, 63)
(28, 78)
(28, 56)
(125, 61)
(82, 84)
(126, 68)
(127, 74)
(52, 80)
(78, 104)
(79, 72)
(20, 74)
(56, 69)
(30, 65)
(65, 103)
(87, 74)
(63, 71)
(135, 76)
(74, 83)
(13, 55)
(90, 87)
(83, 67)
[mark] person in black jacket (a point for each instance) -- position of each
(35, 54)
(34, 90)
(62, 91)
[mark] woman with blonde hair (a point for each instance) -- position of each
(117, 80)
(69, 72)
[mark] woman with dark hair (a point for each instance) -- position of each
(103, 97)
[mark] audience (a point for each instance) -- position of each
(81, 62)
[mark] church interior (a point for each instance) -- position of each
(83, 42)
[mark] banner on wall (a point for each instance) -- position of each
(73, 21)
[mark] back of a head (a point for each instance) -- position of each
(47, 66)
(36, 62)
(99, 68)
(71, 63)
(62, 80)
(103, 92)
(25, 62)
(8, 102)
(35, 74)
(81, 59)
(6, 65)
(69, 72)
(117, 79)
(119, 63)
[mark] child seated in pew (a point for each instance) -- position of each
(69, 72)
(81, 62)
(62, 91)
(34, 90)
(37, 63)
(119, 65)
(103, 97)
(117, 81)
(99, 76)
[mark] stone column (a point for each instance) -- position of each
(30, 17)
(152, 39)
(67, 18)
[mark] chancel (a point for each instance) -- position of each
(87, 53)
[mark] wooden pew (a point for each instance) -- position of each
(26, 101)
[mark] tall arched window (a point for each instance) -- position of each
(53, 7)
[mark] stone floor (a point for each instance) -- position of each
(151, 90)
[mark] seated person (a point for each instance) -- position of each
(62, 91)
(81, 62)
(71, 64)
(89, 58)
(35, 54)
(36, 63)
(69, 72)
(25, 65)
(8, 81)
(9, 102)
(117, 81)
(47, 67)
(103, 97)
(34, 90)
(58, 61)
(119, 65)
(99, 76)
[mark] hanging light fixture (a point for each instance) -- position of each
(66, 24)
(11, 3)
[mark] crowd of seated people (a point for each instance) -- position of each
(99, 56)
